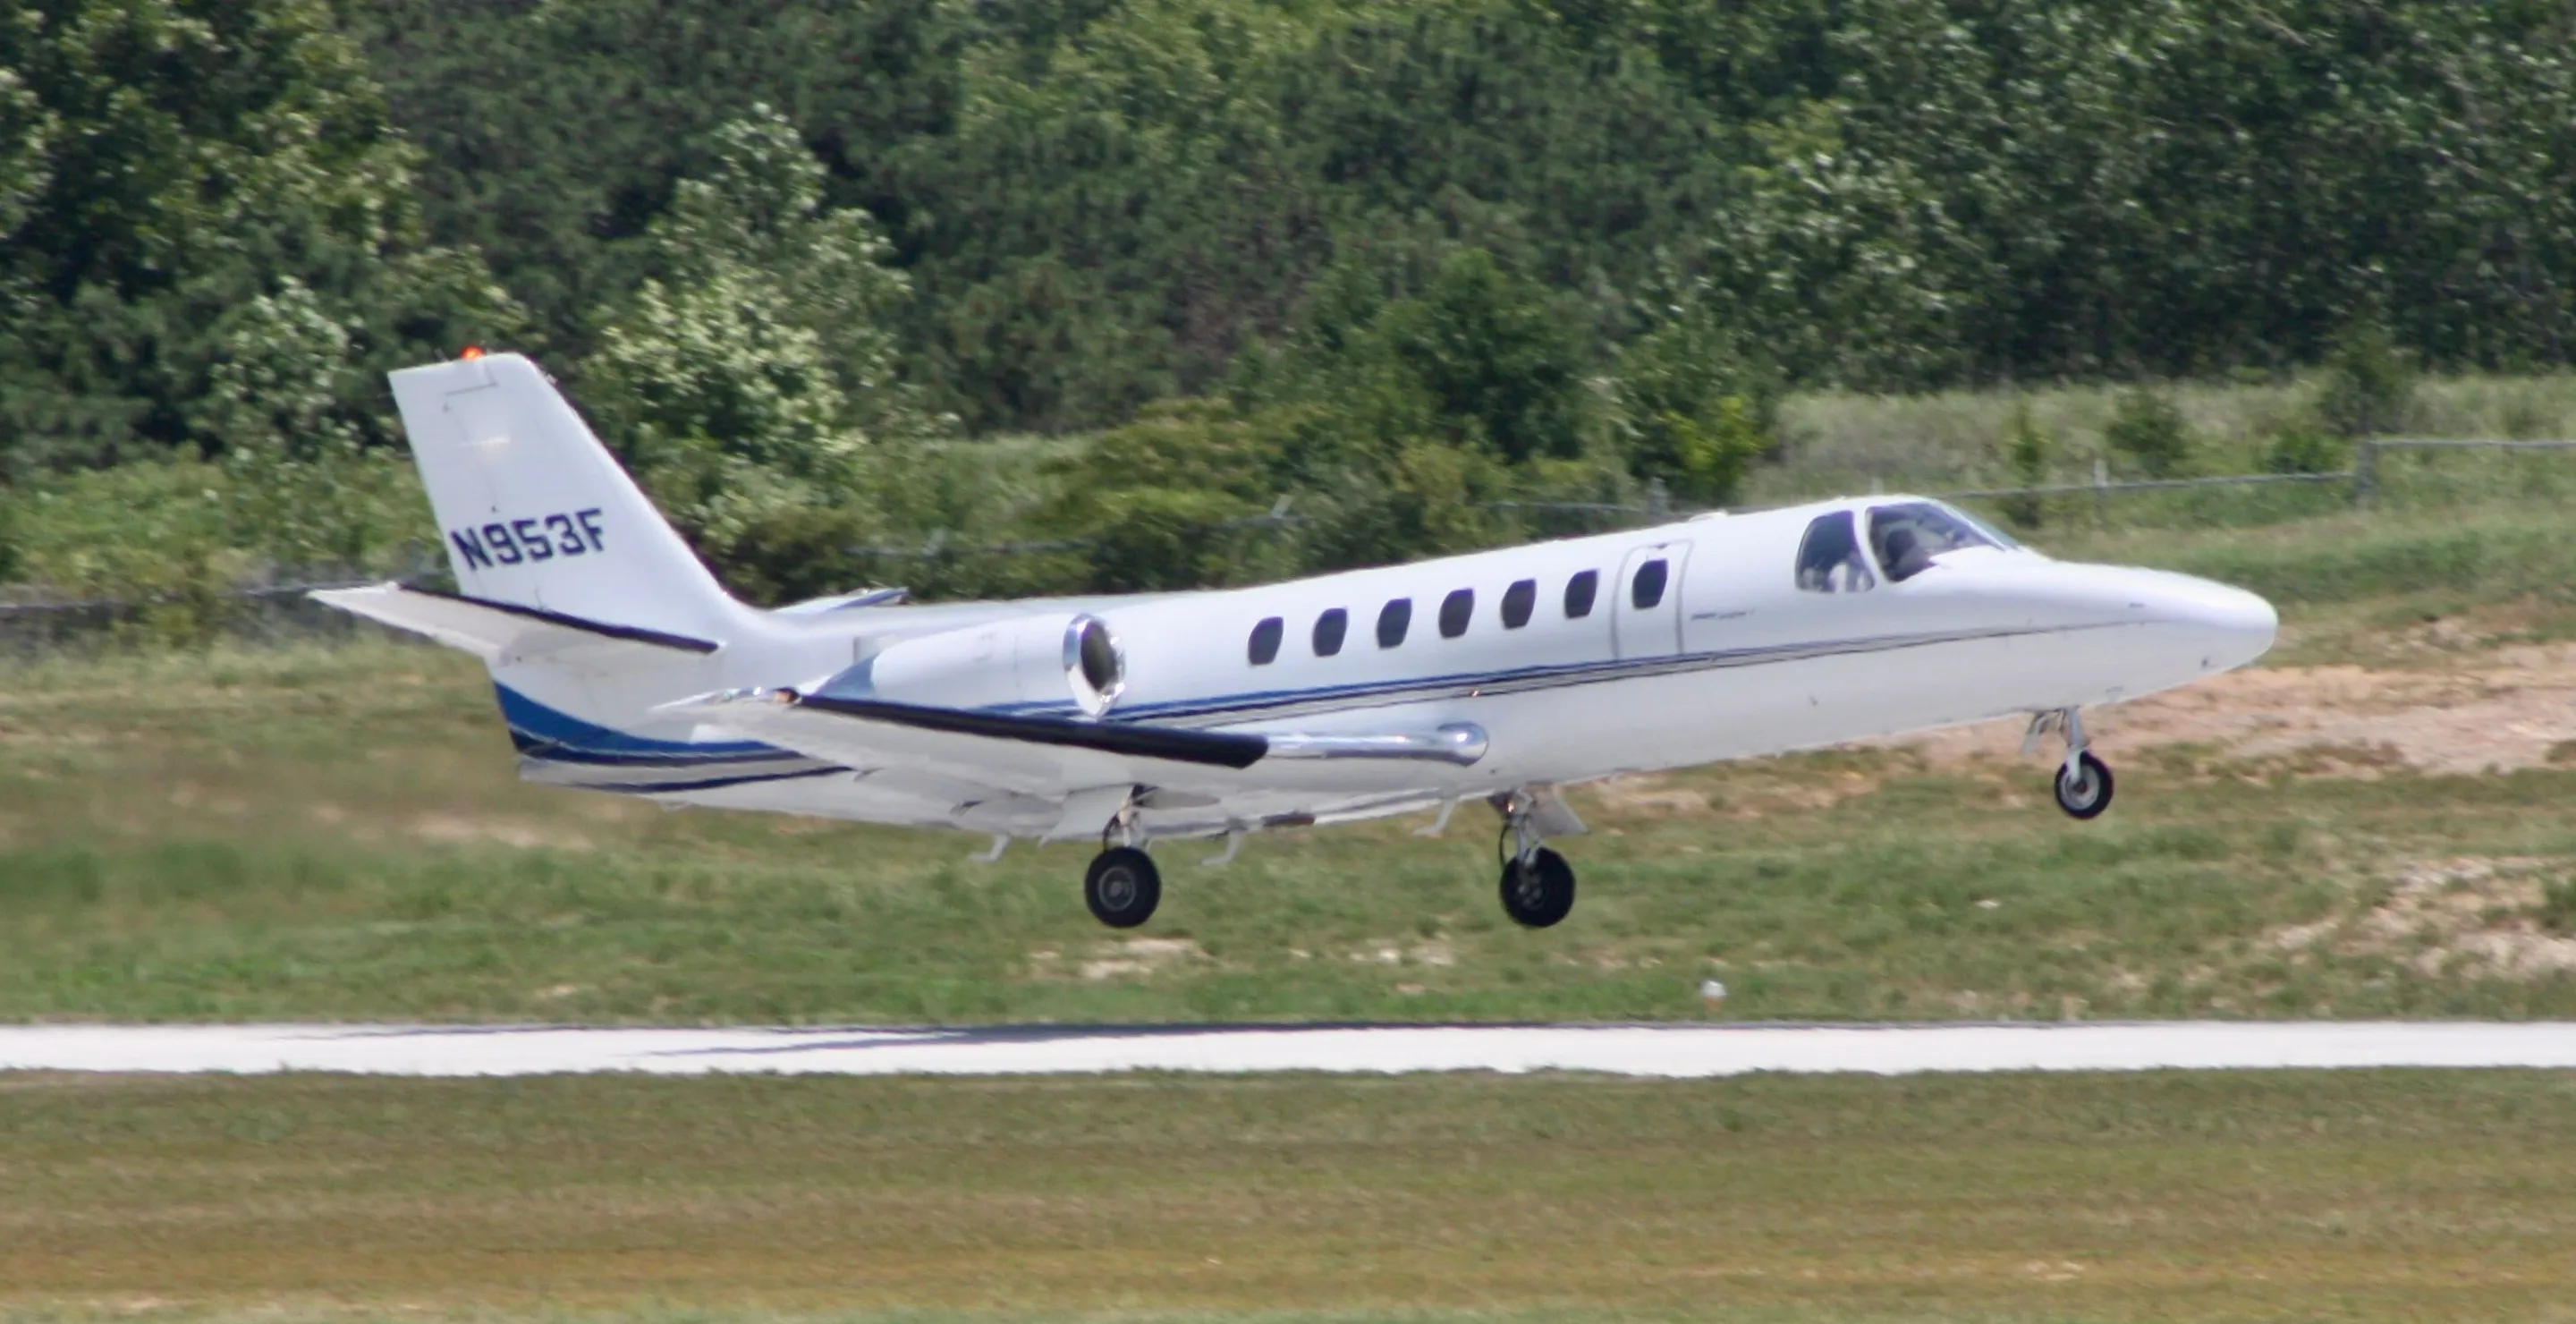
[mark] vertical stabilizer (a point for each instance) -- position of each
(536, 513)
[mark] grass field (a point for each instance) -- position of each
(336, 834)
(1840, 441)
(2334, 1196)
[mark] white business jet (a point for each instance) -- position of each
(1499, 677)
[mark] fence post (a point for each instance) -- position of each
(1659, 503)
(2101, 490)
(2365, 472)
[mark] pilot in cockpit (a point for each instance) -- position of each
(1908, 536)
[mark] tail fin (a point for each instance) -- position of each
(537, 514)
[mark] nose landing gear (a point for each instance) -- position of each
(2084, 788)
(2083, 781)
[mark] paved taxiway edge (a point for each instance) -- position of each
(1680, 1051)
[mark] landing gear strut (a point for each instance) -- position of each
(1122, 886)
(2083, 781)
(1538, 885)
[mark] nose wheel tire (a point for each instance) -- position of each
(2085, 792)
(1539, 892)
(1122, 887)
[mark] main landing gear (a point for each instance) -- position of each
(1538, 885)
(2083, 781)
(1122, 887)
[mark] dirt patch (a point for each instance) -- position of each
(449, 830)
(1432, 952)
(2478, 918)
(1134, 958)
(2506, 710)
(1746, 794)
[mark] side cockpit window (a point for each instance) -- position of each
(1830, 559)
(1907, 537)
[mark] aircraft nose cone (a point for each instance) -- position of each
(2238, 626)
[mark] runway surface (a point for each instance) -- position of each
(1622, 1050)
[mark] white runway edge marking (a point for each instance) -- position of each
(1676, 1051)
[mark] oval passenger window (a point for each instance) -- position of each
(1393, 621)
(1265, 640)
(1579, 592)
(1330, 629)
(1647, 589)
(1455, 610)
(1518, 600)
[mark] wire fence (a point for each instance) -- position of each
(34, 619)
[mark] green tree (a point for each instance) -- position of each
(1448, 347)
(751, 376)
(1498, 362)
(26, 132)
(1843, 260)
(303, 487)
(1695, 412)
(170, 161)
(556, 134)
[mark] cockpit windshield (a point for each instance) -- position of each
(1907, 537)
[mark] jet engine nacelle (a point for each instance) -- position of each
(1044, 659)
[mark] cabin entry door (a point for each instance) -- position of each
(1646, 603)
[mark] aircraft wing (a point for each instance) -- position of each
(1044, 756)
(501, 632)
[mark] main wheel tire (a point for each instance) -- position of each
(1122, 887)
(2088, 792)
(1539, 893)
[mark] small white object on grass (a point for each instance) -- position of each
(1712, 992)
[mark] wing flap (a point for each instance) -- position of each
(873, 735)
(1169, 744)
(1041, 755)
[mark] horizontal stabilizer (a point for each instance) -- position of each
(500, 632)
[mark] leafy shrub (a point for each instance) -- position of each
(2150, 431)
(2369, 387)
(2558, 905)
(1162, 502)
(2027, 449)
(2303, 448)
(158, 536)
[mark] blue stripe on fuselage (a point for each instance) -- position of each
(554, 734)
